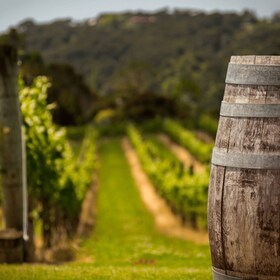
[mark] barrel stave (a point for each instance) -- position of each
(222, 137)
(215, 215)
(250, 224)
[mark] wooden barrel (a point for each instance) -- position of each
(244, 191)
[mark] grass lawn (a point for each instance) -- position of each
(125, 243)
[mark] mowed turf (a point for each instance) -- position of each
(125, 243)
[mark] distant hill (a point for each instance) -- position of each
(180, 54)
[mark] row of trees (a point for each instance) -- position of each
(182, 56)
(140, 65)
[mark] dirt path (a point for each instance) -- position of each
(182, 154)
(165, 220)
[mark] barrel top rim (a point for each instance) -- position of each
(255, 59)
(251, 56)
(256, 65)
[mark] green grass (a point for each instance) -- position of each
(125, 243)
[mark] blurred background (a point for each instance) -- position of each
(139, 59)
(125, 80)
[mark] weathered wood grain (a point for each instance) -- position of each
(244, 211)
(251, 221)
(215, 215)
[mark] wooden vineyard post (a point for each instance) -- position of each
(11, 242)
(244, 190)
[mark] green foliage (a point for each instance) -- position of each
(152, 125)
(72, 98)
(184, 53)
(185, 192)
(111, 129)
(135, 78)
(119, 128)
(46, 145)
(77, 176)
(125, 244)
(56, 183)
(76, 133)
(82, 171)
(139, 107)
(187, 139)
(208, 124)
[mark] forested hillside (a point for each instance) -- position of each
(180, 56)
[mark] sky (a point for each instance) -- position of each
(14, 11)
